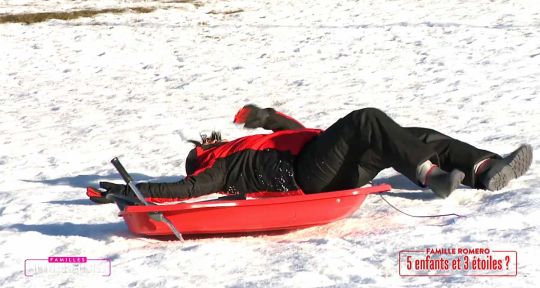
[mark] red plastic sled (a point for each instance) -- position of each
(241, 216)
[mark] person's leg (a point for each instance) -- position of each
(453, 154)
(367, 137)
(483, 169)
(356, 171)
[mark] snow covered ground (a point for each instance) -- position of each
(74, 94)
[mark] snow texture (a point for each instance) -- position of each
(76, 93)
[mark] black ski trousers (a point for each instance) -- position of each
(352, 151)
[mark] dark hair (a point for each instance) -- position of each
(191, 159)
(215, 136)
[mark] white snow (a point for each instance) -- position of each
(74, 94)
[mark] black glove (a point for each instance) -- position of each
(113, 188)
(268, 118)
(253, 116)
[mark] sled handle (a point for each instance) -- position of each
(129, 180)
(158, 216)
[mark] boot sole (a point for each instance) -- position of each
(518, 162)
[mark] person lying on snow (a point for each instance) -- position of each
(349, 154)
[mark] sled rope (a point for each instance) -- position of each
(420, 216)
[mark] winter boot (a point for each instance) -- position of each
(443, 183)
(498, 172)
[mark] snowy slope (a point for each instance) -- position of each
(76, 93)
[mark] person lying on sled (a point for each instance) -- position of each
(349, 154)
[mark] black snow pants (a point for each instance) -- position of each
(352, 151)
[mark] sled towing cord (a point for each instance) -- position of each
(156, 216)
(421, 216)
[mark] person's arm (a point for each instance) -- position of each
(254, 117)
(209, 181)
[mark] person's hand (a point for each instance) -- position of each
(251, 116)
(113, 188)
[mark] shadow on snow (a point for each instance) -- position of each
(93, 231)
(403, 183)
(83, 181)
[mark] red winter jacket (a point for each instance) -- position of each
(257, 164)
